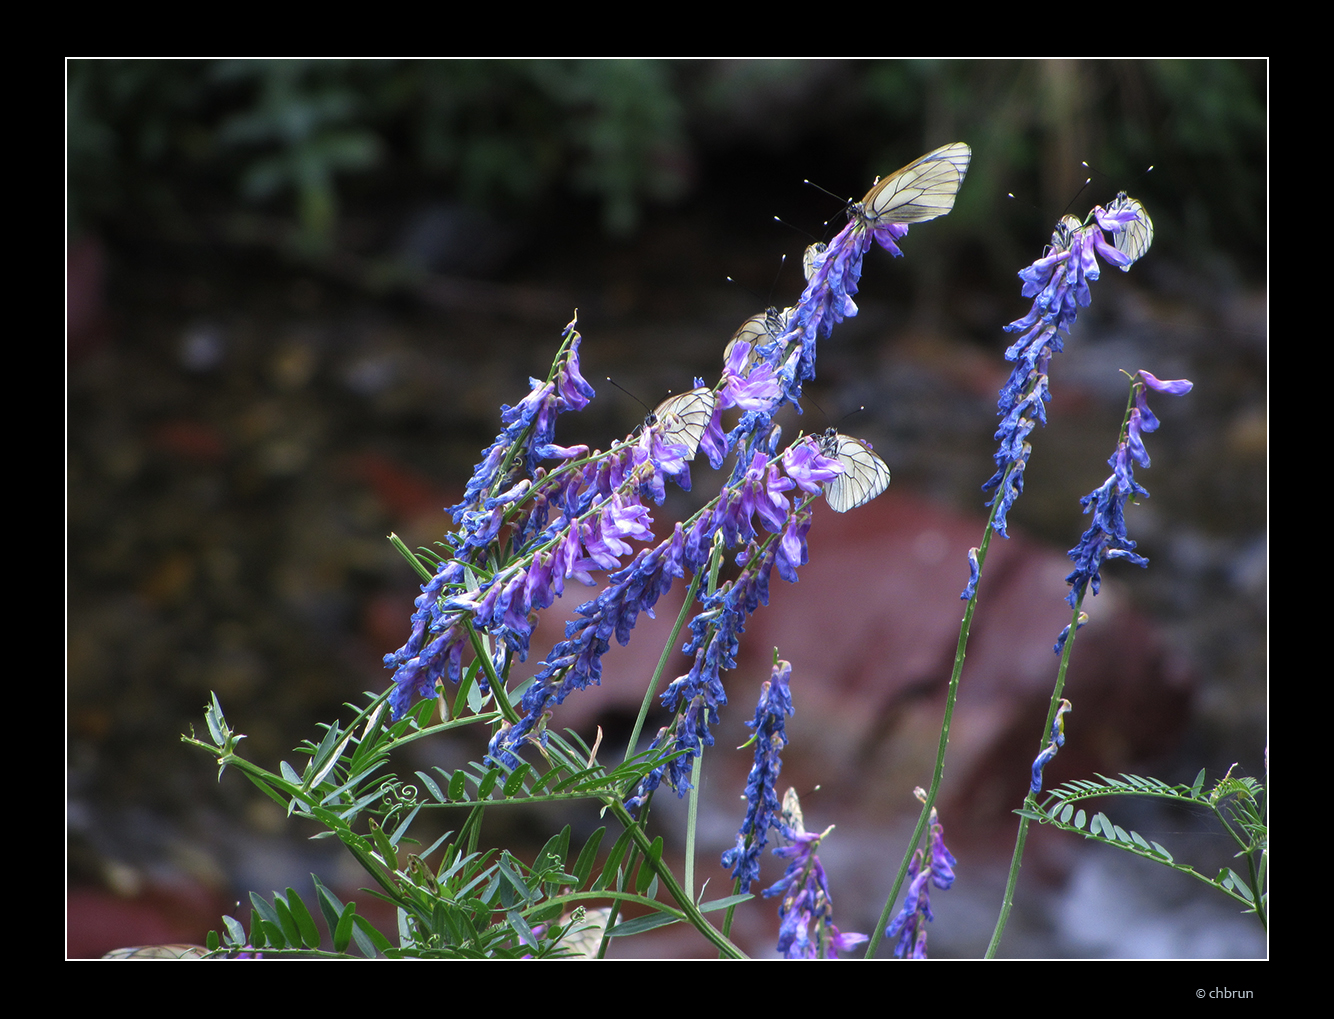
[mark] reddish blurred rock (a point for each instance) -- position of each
(871, 629)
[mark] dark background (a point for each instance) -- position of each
(299, 293)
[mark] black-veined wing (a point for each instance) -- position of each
(683, 419)
(792, 816)
(812, 257)
(864, 474)
(922, 190)
(1134, 240)
(759, 329)
(1064, 234)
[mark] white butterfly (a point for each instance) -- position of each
(683, 419)
(922, 190)
(864, 474)
(1135, 239)
(812, 257)
(758, 330)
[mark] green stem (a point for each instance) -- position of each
(960, 651)
(693, 915)
(1016, 860)
(662, 664)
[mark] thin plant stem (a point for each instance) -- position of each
(1030, 800)
(960, 651)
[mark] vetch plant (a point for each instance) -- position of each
(538, 517)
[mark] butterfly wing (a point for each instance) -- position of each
(758, 330)
(864, 474)
(922, 190)
(1134, 240)
(812, 257)
(683, 419)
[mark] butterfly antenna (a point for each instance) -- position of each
(630, 394)
(1087, 182)
(790, 226)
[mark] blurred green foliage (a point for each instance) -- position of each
(181, 147)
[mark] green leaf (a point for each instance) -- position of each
(555, 851)
(646, 872)
(267, 790)
(235, 932)
(488, 783)
(546, 779)
(265, 910)
(211, 942)
(609, 869)
(515, 782)
(383, 844)
(520, 927)
(1138, 839)
(291, 934)
(1240, 885)
(343, 931)
(431, 787)
(731, 900)
(273, 934)
(310, 934)
(512, 876)
(1162, 852)
(640, 924)
(258, 937)
(456, 788)
(330, 908)
(1197, 785)
(1066, 811)
(402, 828)
(1079, 819)
(217, 724)
(583, 866)
(378, 942)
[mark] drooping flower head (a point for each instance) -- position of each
(1056, 741)
(909, 926)
(1106, 537)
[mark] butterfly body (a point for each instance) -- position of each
(922, 190)
(864, 474)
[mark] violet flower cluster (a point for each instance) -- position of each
(910, 924)
(763, 811)
(526, 528)
(1058, 282)
(806, 912)
(1106, 537)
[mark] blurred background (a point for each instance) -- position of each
(299, 292)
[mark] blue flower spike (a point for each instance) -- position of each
(1106, 537)
(910, 924)
(763, 810)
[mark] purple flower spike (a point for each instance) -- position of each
(909, 926)
(806, 912)
(1059, 284)
(763, 812)
(1106, 537)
